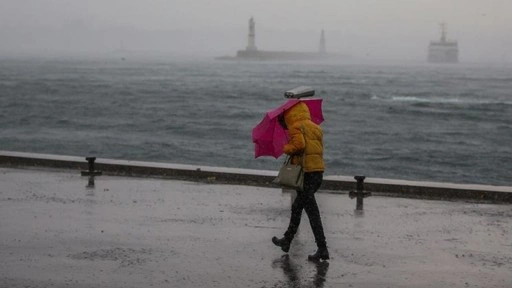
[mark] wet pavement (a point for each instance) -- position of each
(141, 232)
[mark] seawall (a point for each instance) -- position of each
(331, 184)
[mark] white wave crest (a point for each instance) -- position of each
(438, 100)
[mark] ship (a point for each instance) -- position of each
(251, 52)
(444, 50)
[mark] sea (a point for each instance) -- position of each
(423, 122)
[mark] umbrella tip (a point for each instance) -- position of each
(300, 92)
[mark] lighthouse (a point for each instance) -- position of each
(322, 49)
(251, 40)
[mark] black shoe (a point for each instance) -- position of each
(283, 243)
(321, 254)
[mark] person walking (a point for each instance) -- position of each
(305, 140)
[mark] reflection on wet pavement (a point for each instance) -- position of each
(295, 277)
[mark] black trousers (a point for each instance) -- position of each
(306, 200)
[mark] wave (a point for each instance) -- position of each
(426, 100)
(439, 100)
(490, 79)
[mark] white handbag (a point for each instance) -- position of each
(290, 175)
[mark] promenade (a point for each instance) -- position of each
(150, 232)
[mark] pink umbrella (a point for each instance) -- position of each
(269, 137)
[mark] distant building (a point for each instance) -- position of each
(251, 51)
(443, 51)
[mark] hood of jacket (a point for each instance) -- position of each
(298, 112)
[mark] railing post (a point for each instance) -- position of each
(91, 172)
(359, 194)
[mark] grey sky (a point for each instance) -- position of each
(380, 29)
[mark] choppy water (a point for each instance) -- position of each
(424, 122)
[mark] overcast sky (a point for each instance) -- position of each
(373, 29)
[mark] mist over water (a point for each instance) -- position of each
(419, 122)
(365, 30)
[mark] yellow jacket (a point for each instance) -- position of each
(304, 136)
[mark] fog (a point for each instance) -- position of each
(362, 29)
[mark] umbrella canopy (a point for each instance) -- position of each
(269, 137)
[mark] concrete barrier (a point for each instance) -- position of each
(332, 184)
